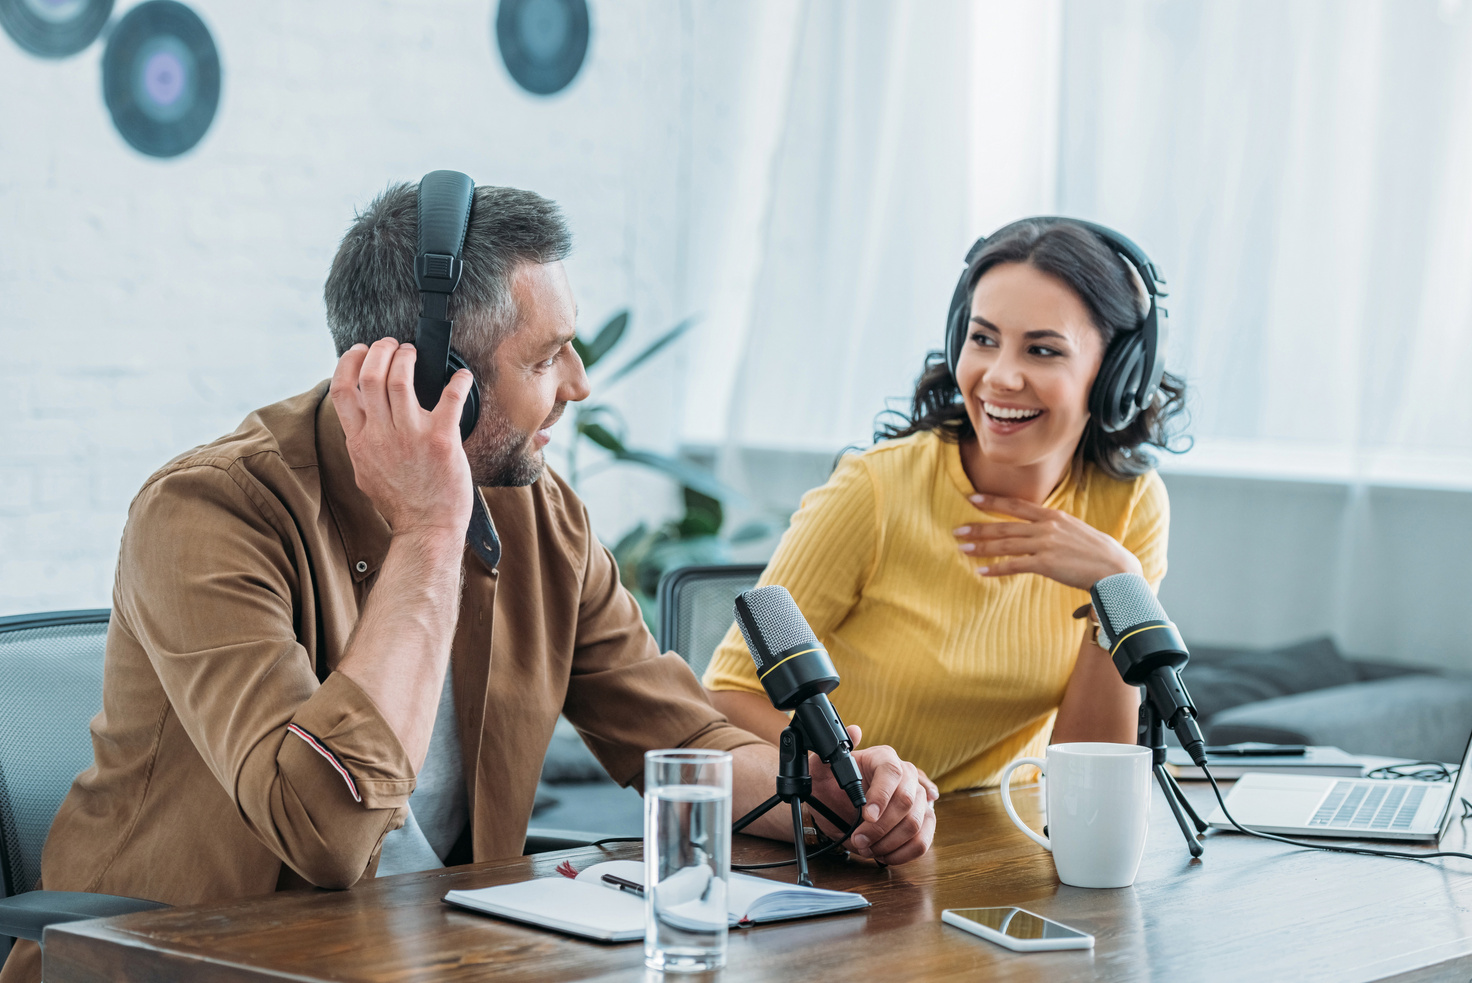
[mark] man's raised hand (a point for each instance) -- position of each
(406, 459)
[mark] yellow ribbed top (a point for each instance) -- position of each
(959, 673)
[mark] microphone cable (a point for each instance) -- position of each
(825, 848)
(1365, 851)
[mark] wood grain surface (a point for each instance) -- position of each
(1248, 910)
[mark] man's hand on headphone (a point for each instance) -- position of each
(406, 459)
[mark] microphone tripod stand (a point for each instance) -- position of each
(1152, 735)
(795, 786)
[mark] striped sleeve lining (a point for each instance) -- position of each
(332, 759)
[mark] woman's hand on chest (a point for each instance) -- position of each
(1044, 541)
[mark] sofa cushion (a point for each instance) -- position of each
(1414, 716)
(1225, 679)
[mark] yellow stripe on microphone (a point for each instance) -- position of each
(1133, 634)
(792, 656)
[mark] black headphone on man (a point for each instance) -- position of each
(444, 203)
(1135, 361)
(445, 198)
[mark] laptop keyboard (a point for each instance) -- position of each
(1370, 805)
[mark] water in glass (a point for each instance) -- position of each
(687, 846)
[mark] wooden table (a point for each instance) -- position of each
(1249, 910)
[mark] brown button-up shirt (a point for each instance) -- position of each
(243, 567)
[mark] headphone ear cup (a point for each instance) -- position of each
(1112, 399)
(956, 335)
(470, 412)
(959, 314)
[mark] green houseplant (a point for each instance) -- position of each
(644, 553)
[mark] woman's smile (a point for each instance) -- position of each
(1003, 419)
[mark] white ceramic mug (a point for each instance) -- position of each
(1098, 810)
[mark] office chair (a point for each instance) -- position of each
(50, 687)
(696, 607)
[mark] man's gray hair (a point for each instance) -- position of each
(370, 291)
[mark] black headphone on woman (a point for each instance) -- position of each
(444, 215)
(1130, 373)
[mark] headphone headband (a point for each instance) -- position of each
(444, 215)
(445, 199)
(1133, 366)
(444, 204)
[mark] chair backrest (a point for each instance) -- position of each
(50, 687)
(697, 606)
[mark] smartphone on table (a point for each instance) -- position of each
(1017, 928)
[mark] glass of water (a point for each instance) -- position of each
(687, 859)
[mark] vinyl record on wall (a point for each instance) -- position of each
(54, 28)
(542, 42)
(161, 78)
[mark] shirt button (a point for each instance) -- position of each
(362, 566)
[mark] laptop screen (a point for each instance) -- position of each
(1459, 787)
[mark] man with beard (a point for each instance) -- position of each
(310, 679)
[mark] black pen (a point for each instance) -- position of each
(625, 885)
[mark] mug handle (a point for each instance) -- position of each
(1042, 766)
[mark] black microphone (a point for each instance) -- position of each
(1148, 651)
(798, 676)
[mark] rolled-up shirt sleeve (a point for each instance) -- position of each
(214, 597)
(624, 696)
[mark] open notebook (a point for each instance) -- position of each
(589, 906)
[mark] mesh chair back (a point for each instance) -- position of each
(50, 687)
(697, 606)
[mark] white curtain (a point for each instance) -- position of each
(1302, 173)
(883, 138)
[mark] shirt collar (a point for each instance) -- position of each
(365, 533)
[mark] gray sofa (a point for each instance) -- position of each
(576, 793)
(1309, 693)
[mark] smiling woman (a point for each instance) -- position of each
(942, 569)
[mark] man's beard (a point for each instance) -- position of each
(502, 456)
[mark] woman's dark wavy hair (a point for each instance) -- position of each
(1105, 283)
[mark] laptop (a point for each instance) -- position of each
(1355, 808)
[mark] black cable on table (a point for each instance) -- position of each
(827, 847)
(831, 844)
(1423, 771)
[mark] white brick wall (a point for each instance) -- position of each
(146, 306)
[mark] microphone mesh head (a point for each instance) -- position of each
(777, 622)
(1126, 600)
